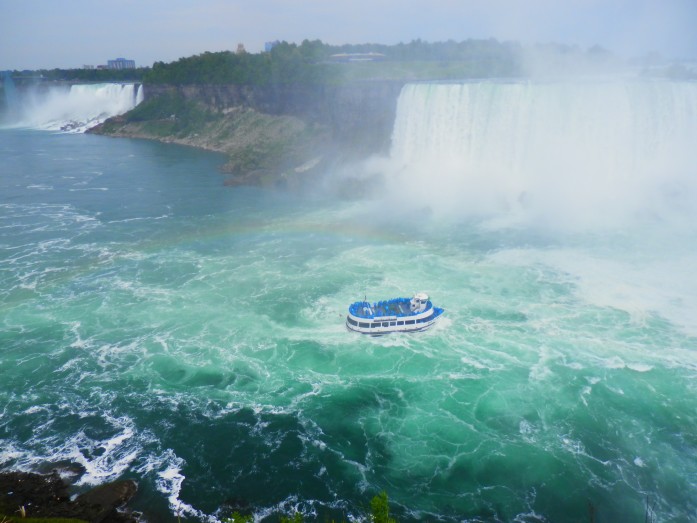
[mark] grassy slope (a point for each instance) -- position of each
(259, 146)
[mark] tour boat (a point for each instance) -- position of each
(395, 315)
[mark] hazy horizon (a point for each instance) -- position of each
(74, 33)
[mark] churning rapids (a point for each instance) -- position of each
(154, 326)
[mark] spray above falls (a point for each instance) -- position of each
(578, 154)
(75, 108)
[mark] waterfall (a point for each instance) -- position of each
(140, 95)
(585, 151)
(76, 108)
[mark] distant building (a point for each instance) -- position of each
(88, 67)
(241, 49)
(121, 63)
(270, 45)
(357, 57)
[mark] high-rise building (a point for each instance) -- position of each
(121, 63)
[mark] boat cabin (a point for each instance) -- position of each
(418, 303)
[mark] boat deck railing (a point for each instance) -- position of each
(398, 307)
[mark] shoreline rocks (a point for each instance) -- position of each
(48, 495)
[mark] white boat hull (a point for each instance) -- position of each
(379, 325)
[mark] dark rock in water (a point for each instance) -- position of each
(101, 503)
(69, 471)
(46, 495)
(34, 492)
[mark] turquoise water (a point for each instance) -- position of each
(158, 326)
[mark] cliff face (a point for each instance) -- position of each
(279, 134)
(359, 116)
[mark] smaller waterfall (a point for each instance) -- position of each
(140, 95)
(77, 108)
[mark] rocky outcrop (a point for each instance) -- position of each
(359, 115)
(39, 495)
(281, 135)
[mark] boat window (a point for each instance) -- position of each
(385, 324)
(400, 323)
(378, 324)
(364, 325)
(393, 323)
(352, 321)
(410, 322)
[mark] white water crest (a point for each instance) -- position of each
(569, 154)
(77, 108)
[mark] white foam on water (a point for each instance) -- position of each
(169, 482)
(34, 409)
(528, 431)
(471, 362)
(639, 367)
(660, 284)
(9, 453)
(79, 343)
(615, 362)
(103, 460)
(116, 458)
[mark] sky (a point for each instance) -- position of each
(46, 34)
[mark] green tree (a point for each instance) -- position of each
(239, 518)
(297, 518)
(380, 509)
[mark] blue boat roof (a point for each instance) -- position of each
(398, 307)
